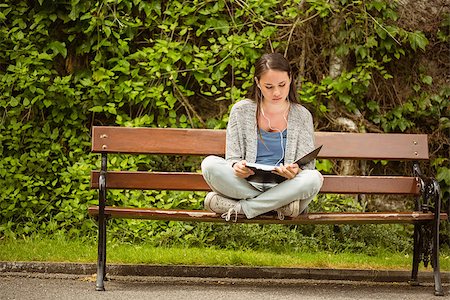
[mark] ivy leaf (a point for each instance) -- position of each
(362, 51)
(443, 174)
(268, 31)
(371, 42)
(417, 40)
(58, 48)
(427, 80)
(342, 50)
(373, 106)
(378, 5)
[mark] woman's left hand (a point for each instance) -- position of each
(287, 171)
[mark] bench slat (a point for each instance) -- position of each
(111, 139)
(184, 181)
(311, 218)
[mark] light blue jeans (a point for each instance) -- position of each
(259, 198)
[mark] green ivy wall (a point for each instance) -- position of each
(68, 65)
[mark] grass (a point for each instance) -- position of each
(63, 250)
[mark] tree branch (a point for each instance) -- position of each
(187, 105)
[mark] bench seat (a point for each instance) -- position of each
(310, 218)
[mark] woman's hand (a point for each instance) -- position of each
(241, 170)
(287, 171)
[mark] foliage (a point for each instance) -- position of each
(65, 66)
(368, 239)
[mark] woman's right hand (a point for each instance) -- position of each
(241, 170)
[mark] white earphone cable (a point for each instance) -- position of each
(281, 133)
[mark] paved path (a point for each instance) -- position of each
(57, 286)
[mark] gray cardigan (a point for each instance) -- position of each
(241, 140)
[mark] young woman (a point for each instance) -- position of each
(271, 128)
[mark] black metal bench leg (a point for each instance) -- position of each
(416, 256)
(438, 290)
(101, 260)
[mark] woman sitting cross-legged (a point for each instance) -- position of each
(270, 128)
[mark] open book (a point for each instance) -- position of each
(263, 173)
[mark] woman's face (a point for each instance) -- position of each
(274, 86)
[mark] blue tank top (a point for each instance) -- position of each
(270, 151)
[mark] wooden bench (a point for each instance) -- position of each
(426, 215)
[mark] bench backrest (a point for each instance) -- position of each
(372, 146)
(336, 145)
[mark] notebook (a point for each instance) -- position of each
(263, 173)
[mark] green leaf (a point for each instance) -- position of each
(58, 48)
(378, 5)
(443, 174)
(371, 42)
(373, 106)
(19, 35)
(324, 165)
(47, 102)
(96, 109)
(417, 40)
(268, 31)
(54, 134)
(107, 31)
(346, 99)
(14, 102)
(112, 110)
(427, 80)
(342, 50)
(362, 51)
